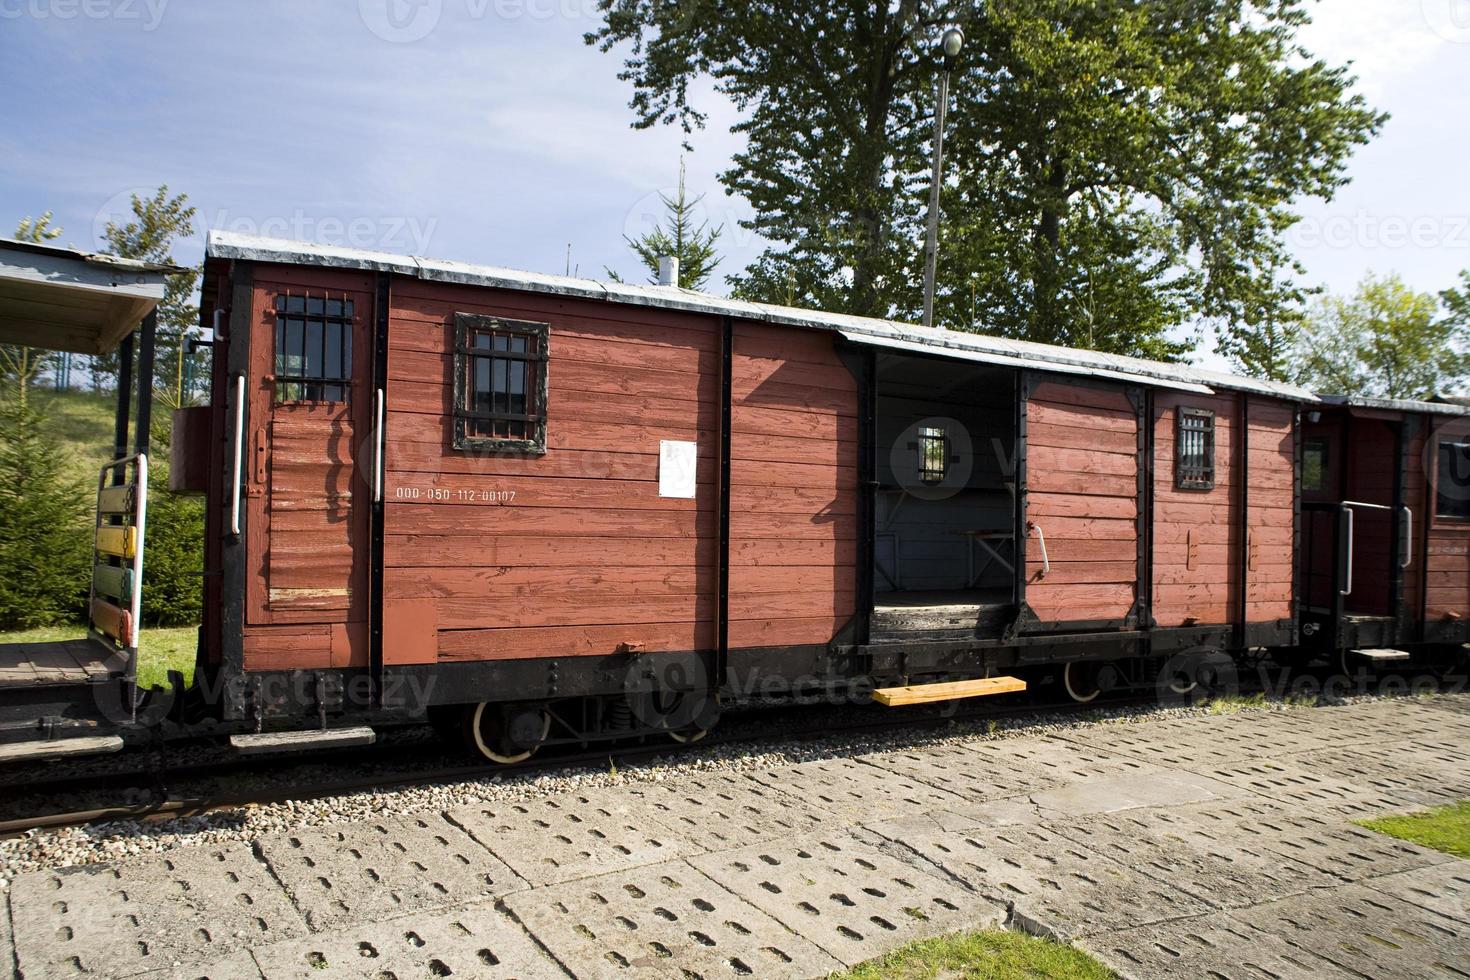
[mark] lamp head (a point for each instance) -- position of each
(952, 42)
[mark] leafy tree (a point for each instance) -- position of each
(44, 543)
(1387, 340)
(20, 365)
(691, 242)
(1456, 302)
(158, 223)
(1116, 168)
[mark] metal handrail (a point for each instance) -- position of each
(239, 454)
(1408, 537)
(1040, 537)
(1347, 507)
(378, 448)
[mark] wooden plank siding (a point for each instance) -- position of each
(1446, 561)
(1196, 532)
(1082, 491)
(570, 553)
(793, 481)
(1270, 511)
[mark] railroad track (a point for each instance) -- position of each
(162, 791)
(169, 799)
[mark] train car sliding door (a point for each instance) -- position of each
(1079, 509)
(310, 404)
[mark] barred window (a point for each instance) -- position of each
(500, 383)
(933, 455)
(1452, 483)
(1194, 455)
(313, 348)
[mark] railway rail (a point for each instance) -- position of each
(156, 789)
(170, 798)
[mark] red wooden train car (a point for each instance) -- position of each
(547, 509)
(532, 495)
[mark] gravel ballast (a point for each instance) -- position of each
(122, 839)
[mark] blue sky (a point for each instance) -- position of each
(485, 130)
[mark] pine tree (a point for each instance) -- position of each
(693, 244)
(44, 544)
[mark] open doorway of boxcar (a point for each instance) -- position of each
(944, 501)
(1356, 521)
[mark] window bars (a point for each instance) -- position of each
(313, 349)
(500, 383)
(933, 455)
(1194, 456)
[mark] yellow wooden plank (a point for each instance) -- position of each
(120, 541)
(895, 697)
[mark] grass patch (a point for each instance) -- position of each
(162, 650)
(1445, 828)
(1235, 703)
(986, 955)
(81, 424)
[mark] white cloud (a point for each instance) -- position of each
(1384, 39)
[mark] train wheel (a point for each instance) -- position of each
(1183, 684)
(690, 715)
(1082, 679)
(505, 734)
(688, 735)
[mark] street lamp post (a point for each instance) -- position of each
(949, 45)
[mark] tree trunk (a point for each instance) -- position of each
(869, 216)
(1046, 283)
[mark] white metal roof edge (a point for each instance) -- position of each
(1397, 404)
(1011, 360)
(232, 245)
(149, 270)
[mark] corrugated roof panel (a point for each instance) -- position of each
(1012, 360)
(864, 329)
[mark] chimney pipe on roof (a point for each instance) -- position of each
(668, 270)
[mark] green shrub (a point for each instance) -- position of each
(45, 527)
(173, 557)
(47, 512)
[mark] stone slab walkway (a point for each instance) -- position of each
(1216, 846)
